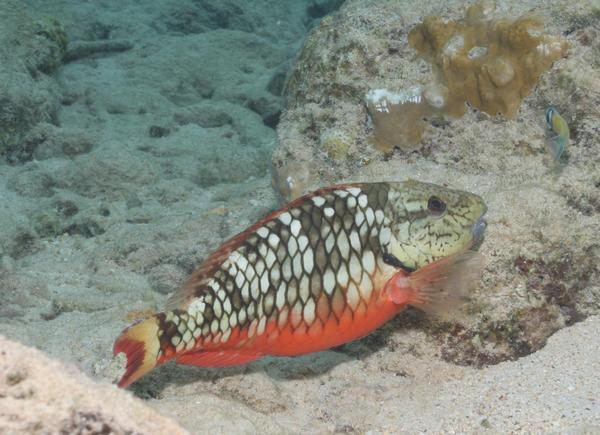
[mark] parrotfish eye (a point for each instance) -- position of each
(436, 206)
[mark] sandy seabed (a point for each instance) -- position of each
(147, 141)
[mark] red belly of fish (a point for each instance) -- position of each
(289, 341)
(333, 332)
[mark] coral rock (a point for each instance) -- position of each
(40, 395)
(539, 211)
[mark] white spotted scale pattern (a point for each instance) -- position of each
(314, 260)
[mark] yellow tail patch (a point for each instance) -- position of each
(140, 344)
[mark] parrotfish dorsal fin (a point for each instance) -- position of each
(186, 293)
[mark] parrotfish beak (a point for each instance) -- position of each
(478, 230)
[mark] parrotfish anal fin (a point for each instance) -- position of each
(225, 358)
(185, 294)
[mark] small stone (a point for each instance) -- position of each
(16, 376)
(158, 131)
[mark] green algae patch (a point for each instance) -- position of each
(53, 29)
(336, 144)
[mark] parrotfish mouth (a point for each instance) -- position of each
(478, 230)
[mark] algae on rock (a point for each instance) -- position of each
(336, 144)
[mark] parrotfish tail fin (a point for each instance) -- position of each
(557, 145)
(140, 344)
(441, 287)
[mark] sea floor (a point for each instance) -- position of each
(158, 152)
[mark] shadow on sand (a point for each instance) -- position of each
(281, 368)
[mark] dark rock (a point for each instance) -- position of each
(80, 49)
(204, 115)
(202, 16)
(46, 141)
(24, 243)
(320, 8)
(158, 131)
(133, 201)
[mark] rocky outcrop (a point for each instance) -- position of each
(542, 240)
(39, 395)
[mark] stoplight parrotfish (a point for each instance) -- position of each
(326, 269)
(560, 132)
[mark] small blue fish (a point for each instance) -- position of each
(560, 128)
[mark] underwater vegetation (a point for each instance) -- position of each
(488, 63)
(54, 30)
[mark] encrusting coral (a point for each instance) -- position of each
(397, 118)
(491, 64)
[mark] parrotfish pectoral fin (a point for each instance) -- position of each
(439, 287)
(140, 344)
(224, 358)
